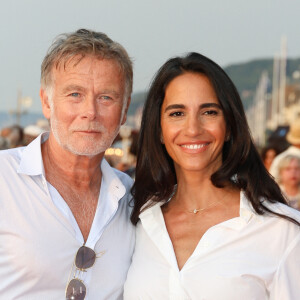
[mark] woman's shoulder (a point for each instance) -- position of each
(275, 222)
(273, 206)
(288, 230)
(283, 209)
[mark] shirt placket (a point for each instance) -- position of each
(176, 290)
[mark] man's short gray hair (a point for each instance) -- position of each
(85, 42)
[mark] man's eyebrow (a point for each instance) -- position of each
(73, 87)
(204, 105)
(108, 91)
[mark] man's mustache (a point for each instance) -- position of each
(89, 127)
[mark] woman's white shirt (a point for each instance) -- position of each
(248, 257)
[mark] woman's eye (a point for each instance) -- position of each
(176, 114)
(211, 112)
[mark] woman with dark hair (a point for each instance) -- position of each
(211, 222)
(268, 154)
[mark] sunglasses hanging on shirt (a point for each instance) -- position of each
(85, 258)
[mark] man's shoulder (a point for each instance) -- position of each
(121, 187)
(10, 156)
(9, 162)
(113, 175)
(124, 178)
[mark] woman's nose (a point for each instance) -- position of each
(193, 125)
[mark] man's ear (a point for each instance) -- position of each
(125, 111)
(45, 103)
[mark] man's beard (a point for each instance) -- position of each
(92, 146)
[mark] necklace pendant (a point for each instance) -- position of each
(196, 211)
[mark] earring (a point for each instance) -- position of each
(162, 139)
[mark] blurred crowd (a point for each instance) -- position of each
(284, 166)
(17, 136)
(282, 163)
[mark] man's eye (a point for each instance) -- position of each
(75, 95)
(106, 97)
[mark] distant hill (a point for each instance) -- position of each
(244, 75)
(137, 100)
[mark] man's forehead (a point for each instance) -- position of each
(69, 70)
(71, 62)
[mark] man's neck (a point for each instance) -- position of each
(78, 170)
(77, 179)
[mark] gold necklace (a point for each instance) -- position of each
(196, 210)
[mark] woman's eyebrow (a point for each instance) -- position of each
(213, 104)
(204, 105)
(174, 106)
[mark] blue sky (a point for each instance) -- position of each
(228, 31)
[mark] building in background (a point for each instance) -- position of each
(273, 110)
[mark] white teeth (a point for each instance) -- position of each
(193, 146)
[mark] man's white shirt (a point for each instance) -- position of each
(39, 236)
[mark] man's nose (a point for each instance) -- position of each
(90, 108)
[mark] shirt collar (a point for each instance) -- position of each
(31, 164)
(246, 210)
(111, 180)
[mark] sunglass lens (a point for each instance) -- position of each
(85, 258)
(76, 290)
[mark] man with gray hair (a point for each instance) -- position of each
(65, 230)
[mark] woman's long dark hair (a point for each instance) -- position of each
(242, 165)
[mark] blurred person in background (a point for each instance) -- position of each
(65, 231)
(268, 154)
(31, 132)
(34, 130)
(289, 179)
(3, 143)
(211, 222)
(13, 135)
(293, 137)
